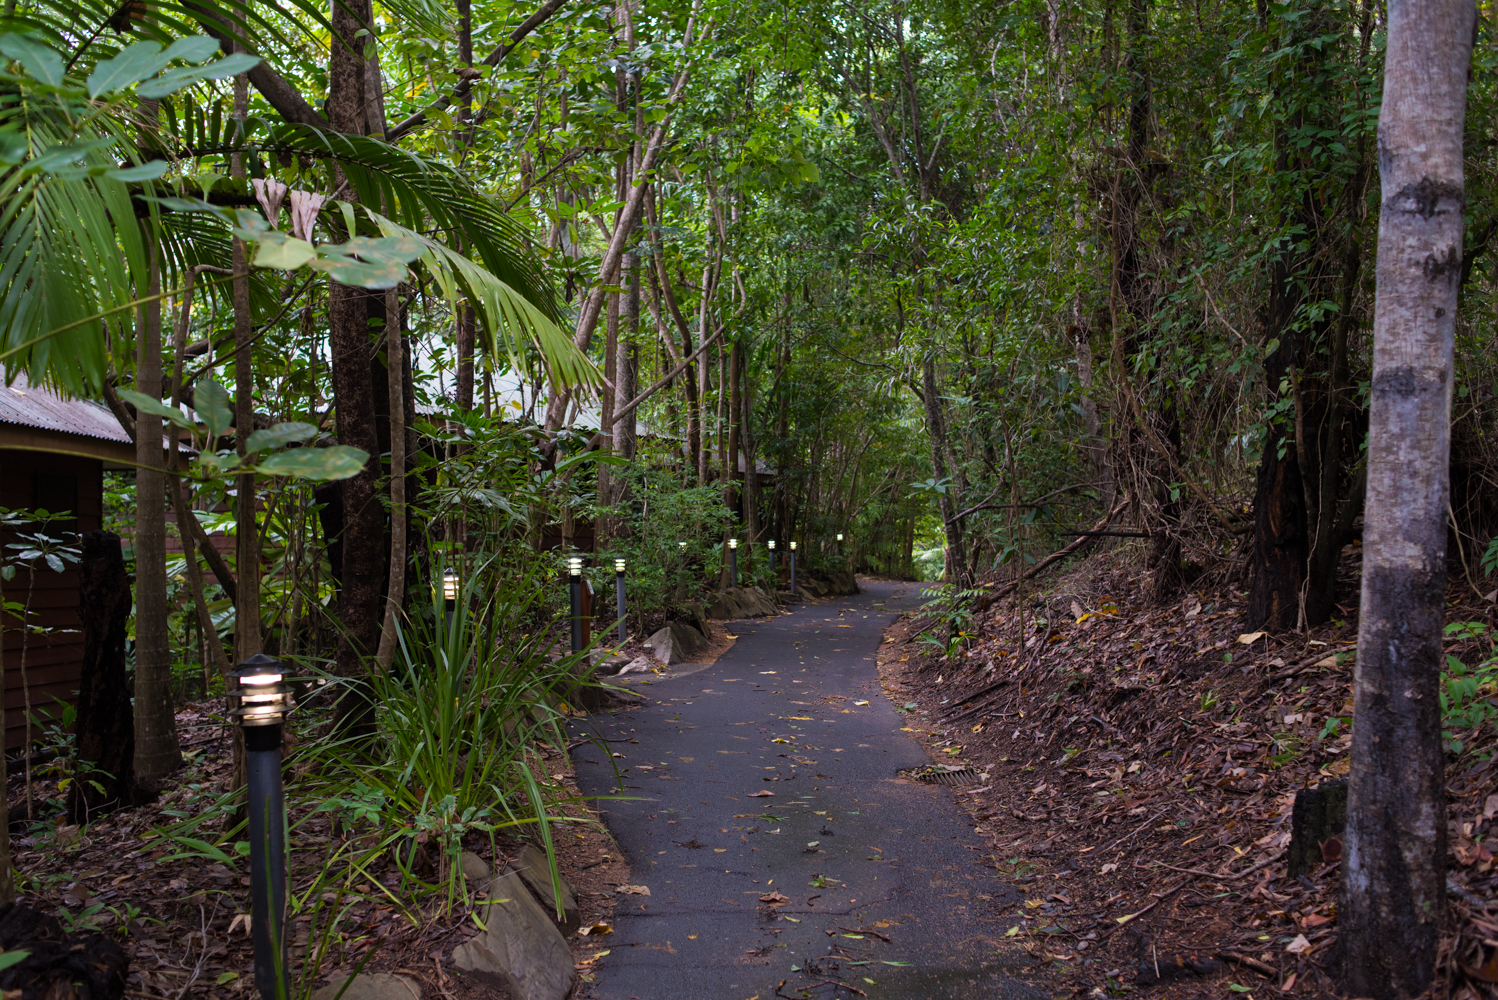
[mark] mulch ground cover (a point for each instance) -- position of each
(1135, 767)
(179, 913)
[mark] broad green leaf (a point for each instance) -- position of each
(145, 404)
(226, 977)
(140, 61)
(174, 80)
(9, 958)
(356, 273)
(13, 146)
(40, 62)
(279, 436)
(144, 172)
(287, 254)
(193, 48)
(218, 463)
(337, 462)
(211, 400)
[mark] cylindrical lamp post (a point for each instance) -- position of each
(793, 567)
(619, 595)
(575, 592)
(449, 595)
(733, 562)
(771, 545)
(263, 703)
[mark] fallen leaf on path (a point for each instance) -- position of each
(1249, 638)
(1299, 946)
(761, 795)
(775, 899)
(1107, 868)
(598, 928)
(634, 890)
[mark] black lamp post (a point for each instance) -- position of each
(793, 567)
(619, 595)
(575, 590)
(263, 702)
(771, 546)
(733, 562)
(449, 593)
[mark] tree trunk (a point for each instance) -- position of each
(362, 534)
(156, 750)
(955, 561)
(247, 639)
(395, 367)
(1393, 878)
(106, 722)
(627, 366)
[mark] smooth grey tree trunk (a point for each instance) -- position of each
(156, 750)
(1393, 879)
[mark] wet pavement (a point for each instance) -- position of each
(885, 889)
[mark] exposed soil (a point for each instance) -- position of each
(1138, 770)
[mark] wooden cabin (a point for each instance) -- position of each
(53, 453)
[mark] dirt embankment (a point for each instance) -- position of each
(1139, 767)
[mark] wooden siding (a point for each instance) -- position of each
(53, 662)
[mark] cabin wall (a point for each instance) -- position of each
(54, 662)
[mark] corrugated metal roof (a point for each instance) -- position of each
(29, 406)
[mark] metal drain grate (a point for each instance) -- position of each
(942, 775)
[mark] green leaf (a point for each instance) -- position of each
(348, 271)
(144, 172)
(175, 79)
(193, 48)
(198, 849)
(140, 61)
(145, 404)
(279, 436)
(211, 400)
(337, 462)
(288, 253)
(226, 977)
(9, 958)
(13, 146)
(40, 62)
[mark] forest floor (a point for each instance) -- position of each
(1139, 765)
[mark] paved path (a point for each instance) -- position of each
(795, 709)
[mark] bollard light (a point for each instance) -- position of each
(733, 562)
(450, 585)
(793, 569)
(575, 595)
(682, 546)
(770, 544)
(733, 543)
(840, 536)
(619, 596)
(262, 703)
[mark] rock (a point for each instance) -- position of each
(663, 647)
(371, 986)
(742, 602)
(475, 868)
(532, 867)
(696, 615)
(521, 950)
(687, 638)
(639, 665)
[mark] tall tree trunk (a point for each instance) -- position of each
(105, 732)
(627, 368)
(395, 368)
(362, 534)
(156, 751)
(955, 559)
(1393, 879)
(247, 639)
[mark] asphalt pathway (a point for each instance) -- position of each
(882, 887)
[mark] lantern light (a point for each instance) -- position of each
(771, 543)
(793, 546)
(450, 585)
(839, 536)
(733, 543)
(618, 565)
(575, 565)
(262, 699)
(682, 546)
